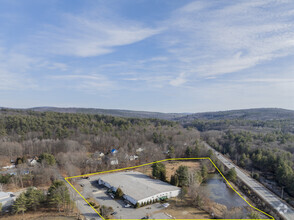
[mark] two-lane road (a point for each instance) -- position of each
(286, 211)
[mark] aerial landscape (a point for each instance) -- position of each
(146, 109)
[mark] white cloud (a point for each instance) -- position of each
(266, 80)
(13, 71)
(230, 36)
(180, 80)
(58, 66)
(86, 37)
(88, 82)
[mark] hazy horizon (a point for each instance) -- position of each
(73, 107)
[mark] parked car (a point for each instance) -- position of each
(127, 205)
(82, 185)
(114, 213)
(146, 217)
(165, 205)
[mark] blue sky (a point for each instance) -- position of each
(167, 55)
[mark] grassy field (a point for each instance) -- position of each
(183, 210)
(171, 167)
(39, 215)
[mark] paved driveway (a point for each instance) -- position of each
(91, 189)
(81, 204)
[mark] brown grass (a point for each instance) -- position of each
(39, 215)
(183, 210)
(4, 161)
(171, 167)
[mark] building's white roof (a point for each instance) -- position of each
(136, 184)
(4, 195)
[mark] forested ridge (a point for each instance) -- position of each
(63, 125)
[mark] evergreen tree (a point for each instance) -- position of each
(204, 171)
(188, 152)
(48, 158)
(254, 215)
(20, 204)
(174, 180)
(34, 198)
(159, 171)
(232, 174)
(196, 151)
(58, 195)
(183, 175)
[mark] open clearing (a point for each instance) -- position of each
(38, 215)
(182, 210)
(171, 167)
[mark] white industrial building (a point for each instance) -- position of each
(6, 199)
(138, 187)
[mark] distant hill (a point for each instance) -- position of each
(113, 112)
(263, 114)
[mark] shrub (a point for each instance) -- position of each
(119, 193)
(256, 176)
(92, 203)
(232, 174)
(49, 158)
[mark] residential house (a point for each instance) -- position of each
(98, 155)
(113, 161)
(139, 150)
(113, 151)
(32, 162)
(133, 157)
(9, 167)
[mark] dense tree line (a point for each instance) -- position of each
(284, 125)
(262, 151)
(63, 125)
(33, 199)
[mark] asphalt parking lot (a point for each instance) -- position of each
(92, 189)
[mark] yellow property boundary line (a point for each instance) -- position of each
(159, 161)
